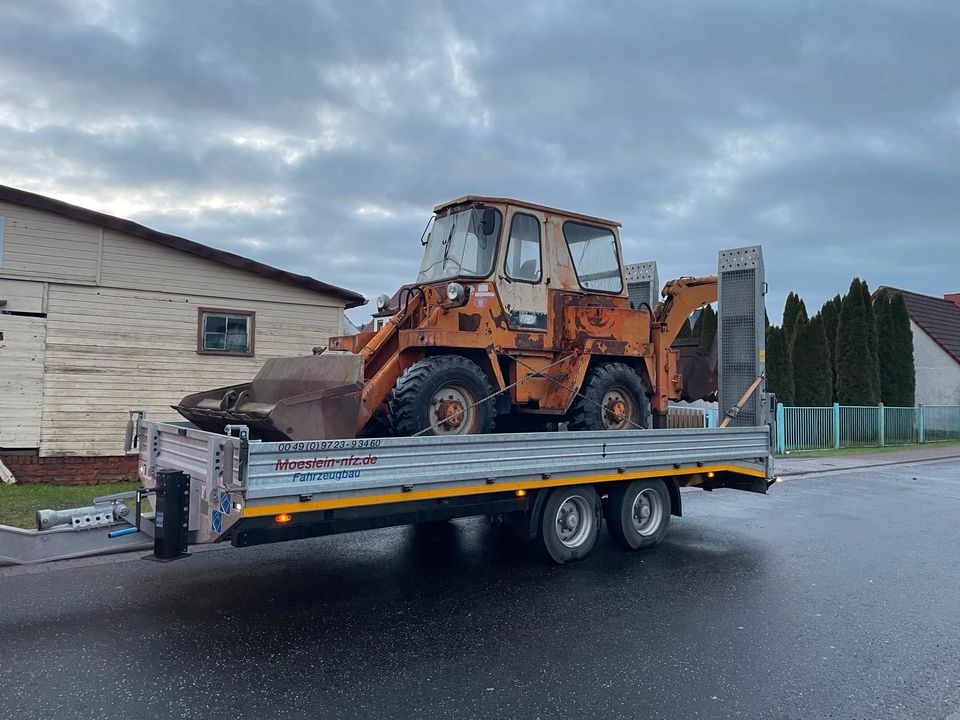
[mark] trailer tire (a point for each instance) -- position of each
(638, 514)
(444, 393)
(570, 523)
(609, 392)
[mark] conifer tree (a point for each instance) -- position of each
(881, 306)
(790, 311)
(829, 316)
(897, 370)
(811, 364)
(800, 319)
(874, 339)
(881, 309)
(779, 367)
(857, 382)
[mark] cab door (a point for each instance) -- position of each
(521, 275)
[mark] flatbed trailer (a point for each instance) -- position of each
(249, 493)
(556, 488)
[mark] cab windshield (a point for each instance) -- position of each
(461, 245)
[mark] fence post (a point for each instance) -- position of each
(920, 433)
(781, 430)
(880, 428)
(836, 426)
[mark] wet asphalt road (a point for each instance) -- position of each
(835, 596)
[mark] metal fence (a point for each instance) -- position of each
(687, 416)
(809, 428)
(941, 422)
(843, 426)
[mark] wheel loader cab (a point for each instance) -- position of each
(518, 256)
(531, 300)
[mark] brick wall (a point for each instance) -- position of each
(71, 470)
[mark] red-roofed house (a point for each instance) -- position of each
(935, 323)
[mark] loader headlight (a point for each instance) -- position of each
(456, 293)
(382, 302)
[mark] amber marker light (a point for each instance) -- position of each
(711, 474)
(284, 518)
(520, 493)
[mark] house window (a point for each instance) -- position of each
(225, 332)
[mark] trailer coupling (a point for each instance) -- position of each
(79, 532)
(101, 528)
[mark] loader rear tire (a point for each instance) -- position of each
(444, 393)
(612, 398)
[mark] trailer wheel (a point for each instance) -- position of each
(570, 523)
(638, 514)
(612, 398)
(444, 393)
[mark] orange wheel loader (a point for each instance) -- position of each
(519, 317)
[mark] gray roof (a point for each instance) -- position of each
(58, 207)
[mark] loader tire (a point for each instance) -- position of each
(612, 398)
(444, 393)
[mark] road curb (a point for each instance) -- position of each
(803, 473)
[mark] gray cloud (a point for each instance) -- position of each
(317, 136)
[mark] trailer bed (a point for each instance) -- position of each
(236, 483)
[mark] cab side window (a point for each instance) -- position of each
(523, 249)
(594, 254)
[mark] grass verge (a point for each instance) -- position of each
(869, 450)
(19, 503)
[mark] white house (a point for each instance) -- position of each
(100, 314)
(935, 323)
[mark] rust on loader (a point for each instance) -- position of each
(519, 316)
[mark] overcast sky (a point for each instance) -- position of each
(318, 136)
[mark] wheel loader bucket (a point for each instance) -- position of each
(299, 398)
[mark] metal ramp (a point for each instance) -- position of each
(741, 333)
(643, 284)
